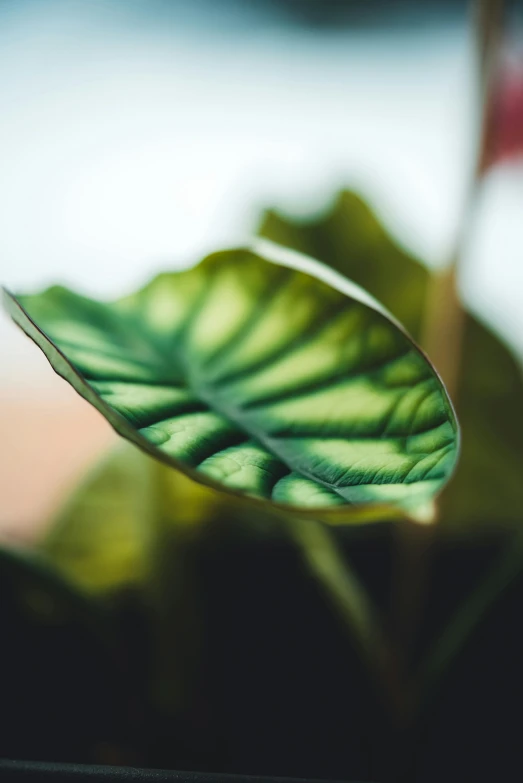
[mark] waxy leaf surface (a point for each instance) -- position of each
(264, 373)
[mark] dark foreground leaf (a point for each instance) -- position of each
(63, 671)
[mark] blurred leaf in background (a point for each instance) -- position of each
(130, 536)
(61, 658)
(222, 618)
(486, 490)
(350, 239)
(106, 536)
(101, 538)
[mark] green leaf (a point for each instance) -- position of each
(486, 489)
(264, 373)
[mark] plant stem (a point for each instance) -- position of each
(469, 614)
(444, 321)
(413, 543)
(173, 598)
(442, 330)
(444, 317)
(323, 556)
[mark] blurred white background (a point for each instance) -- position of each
(137, 135)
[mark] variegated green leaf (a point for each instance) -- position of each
(262, 372)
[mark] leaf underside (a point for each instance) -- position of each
(258, 378)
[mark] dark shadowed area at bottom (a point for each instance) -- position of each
(282, 693)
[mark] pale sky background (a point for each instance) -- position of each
(133, 141)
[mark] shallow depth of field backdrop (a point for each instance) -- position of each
(136, 135)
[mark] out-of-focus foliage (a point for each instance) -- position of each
(487, 489)
(60, 659)
(105, 539)
(42, 596)
(262, 373)
(350, 238)
(101, 539)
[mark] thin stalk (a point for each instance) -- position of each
(350, 598)
(444, 320)
(442, 330)
(413, 544)
(444, 316)
(172, 591)
(469, 614)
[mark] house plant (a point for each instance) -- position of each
(98, 339)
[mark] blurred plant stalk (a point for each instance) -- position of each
(349, 597)
(442, 331)
(442, 334)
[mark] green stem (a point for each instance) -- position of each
(469, 614)
(444, 315)
(173, 596)
(350, 598)
(444, 321)
(413, 544)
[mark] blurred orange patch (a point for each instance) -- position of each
(49, 438)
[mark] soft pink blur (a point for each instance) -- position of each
(49, 439)
(505, 120)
